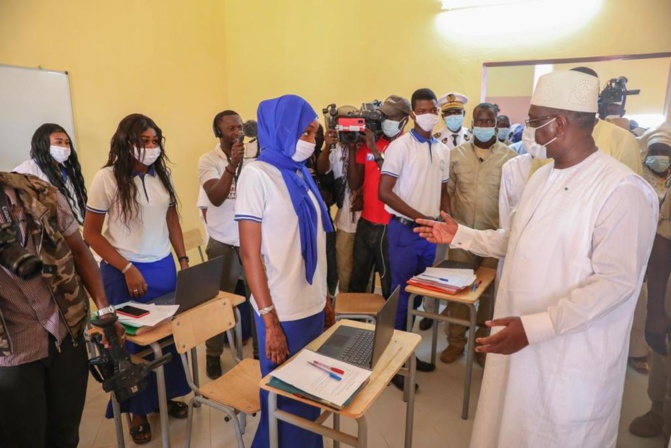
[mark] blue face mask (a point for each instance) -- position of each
(484, 134)
(454, 122)
(658, 164)
(503, 133)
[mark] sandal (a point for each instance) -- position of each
(141, 434)
(178, 409)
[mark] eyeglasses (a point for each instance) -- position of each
(531, 120)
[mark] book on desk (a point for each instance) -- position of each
(444, 280)
(155, 316)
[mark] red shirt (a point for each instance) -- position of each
(373, 208)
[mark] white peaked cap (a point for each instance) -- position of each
(567, 90)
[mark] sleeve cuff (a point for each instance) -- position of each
(463, 238)
(248, 218)
(538, 327)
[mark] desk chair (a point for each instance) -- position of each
(193, 239)
(363, 306)
(236, 391)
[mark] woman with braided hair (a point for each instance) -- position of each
(53, 159)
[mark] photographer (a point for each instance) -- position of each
(371, 248)
(349, 201)
(43, 359)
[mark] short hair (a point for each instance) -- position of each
(489, 106)
(585, 70)
(422, 94)
(217, 119)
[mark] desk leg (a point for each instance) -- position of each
(162, 398)
(408, 324)
(362, 434)
(336, 427)
(194, 366)
(434, 336)
(410, 407)
(118, 425)
(470, 347)
(238, 332)
(272, 419)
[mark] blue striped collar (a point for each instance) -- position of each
(420, 138)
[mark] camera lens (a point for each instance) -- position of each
(19, 261)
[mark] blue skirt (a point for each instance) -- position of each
(161, 278)
(299, 333)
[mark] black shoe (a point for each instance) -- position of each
(423, 366)
(399, 382)
(213, 367)
(425, 324)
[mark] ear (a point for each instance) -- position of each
(562, 125)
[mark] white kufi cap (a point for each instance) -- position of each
(567, 90)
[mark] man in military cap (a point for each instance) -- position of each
(453, 113)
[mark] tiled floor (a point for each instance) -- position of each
(437, 413)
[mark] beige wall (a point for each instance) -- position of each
(180, 62)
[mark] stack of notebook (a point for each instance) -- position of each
(444, 280)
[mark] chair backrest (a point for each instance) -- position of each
(193, 239)
(195, 326)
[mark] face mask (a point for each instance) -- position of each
(454, 122)
(658, 164)
(391, 128)
(427, 121)
(59, 153)
(503, 133)
(303, 151)
(533, 148)
(483, 135)
(148, 157)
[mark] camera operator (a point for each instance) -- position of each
(349, 201)
(371, 248)
(43, 359)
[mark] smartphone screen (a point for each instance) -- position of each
(132, 311)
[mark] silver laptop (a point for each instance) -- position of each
(195, 285)
(360, 347)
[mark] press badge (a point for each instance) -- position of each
(370, 157)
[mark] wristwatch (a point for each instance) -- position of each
(107, 310)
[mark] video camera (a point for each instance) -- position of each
(114, 368)
(352, 125)
(13, 256)
(615, 93)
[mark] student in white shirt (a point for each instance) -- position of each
(53, 159)
(135, 191)
(283, 223)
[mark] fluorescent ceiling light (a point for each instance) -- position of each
(451, 5)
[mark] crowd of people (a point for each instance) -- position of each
(565, 206)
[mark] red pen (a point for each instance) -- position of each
(331, 368)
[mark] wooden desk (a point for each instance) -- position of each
(466, 297)
(157, 338)
(400, 350)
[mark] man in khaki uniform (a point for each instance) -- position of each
(475, 178)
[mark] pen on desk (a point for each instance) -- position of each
(476, 285)
(331, 368)
(331, 374)
(443, 279)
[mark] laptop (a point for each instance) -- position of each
(361, 347)
(195, 285)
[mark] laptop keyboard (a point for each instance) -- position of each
(361, 350)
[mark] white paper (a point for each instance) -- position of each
(458, 278)
(157, 314)
(308, 378)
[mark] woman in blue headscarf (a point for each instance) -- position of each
(283, 223)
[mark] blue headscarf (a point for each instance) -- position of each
(282, 122)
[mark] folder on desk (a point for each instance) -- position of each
(444, 280)
(300, 378)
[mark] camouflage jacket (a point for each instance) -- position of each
(40, 205)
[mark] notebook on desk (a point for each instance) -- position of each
(361, 347)
(195, 285)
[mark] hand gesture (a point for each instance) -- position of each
(331, 137)
(137, 287)
(657, 327)
(437, 232)
(277, 349)
(510, 340)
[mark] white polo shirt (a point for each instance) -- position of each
(263, 197)
(144, 238)
(420, 169)
(345, 220)
(31, 167)
(221, 225)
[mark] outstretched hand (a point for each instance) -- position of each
(437, 232)
(510, 340)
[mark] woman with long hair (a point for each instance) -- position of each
(53, 159)
(283, 223)
(134, 189)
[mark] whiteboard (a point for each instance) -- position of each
(30, 97)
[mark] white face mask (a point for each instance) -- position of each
(59, 153)
(148, 157)
(391, 128)
(303, 151)
(427, 121)
(533, 148)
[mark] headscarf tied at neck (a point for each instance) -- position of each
(282, 122)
